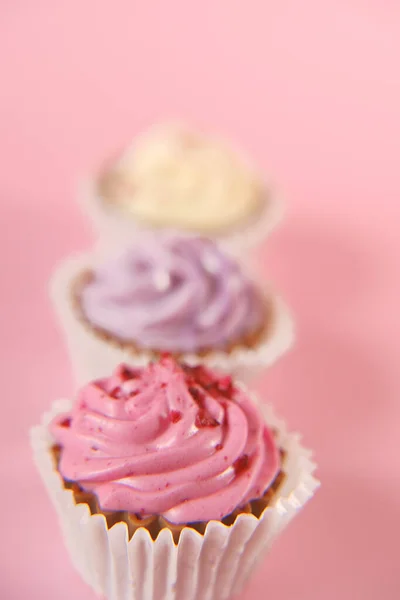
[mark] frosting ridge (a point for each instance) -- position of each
(172, 176)
(174, 294)
(167, 440)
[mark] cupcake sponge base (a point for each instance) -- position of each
(155, 524)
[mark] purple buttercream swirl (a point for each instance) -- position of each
(173, 294)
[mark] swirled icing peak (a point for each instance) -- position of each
(174, 294)
(167, 440)
(172, 176)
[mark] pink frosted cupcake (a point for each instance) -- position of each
(171, 294)
(169, 470)
(174, 178)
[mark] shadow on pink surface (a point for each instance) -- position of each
(338, 541)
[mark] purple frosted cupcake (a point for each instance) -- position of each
(169, 294)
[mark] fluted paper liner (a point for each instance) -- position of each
(113, 227)
(212, 566)
(92, 357)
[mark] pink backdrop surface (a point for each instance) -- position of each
(312, 89)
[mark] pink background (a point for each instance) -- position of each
(312, 89)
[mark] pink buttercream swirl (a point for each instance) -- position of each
(167, 440)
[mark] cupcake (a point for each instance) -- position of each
(178, 179)
(173, 294)
(169, 479)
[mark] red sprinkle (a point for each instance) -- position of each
(218, 447)
(241, 464)
(197, 395)
(116, 393)
(125, 373)
(66, 422)
(165, 357)
(175, 416)
(225, 386)
(225, 382)
(201, 376)
(205, 420)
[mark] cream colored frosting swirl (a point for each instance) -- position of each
(172, 177)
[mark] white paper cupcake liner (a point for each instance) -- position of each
(213, 566)
(114, 229)
(92, 357)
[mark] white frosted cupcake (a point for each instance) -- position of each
(175, 294)
(169, 481)
(177, 179)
